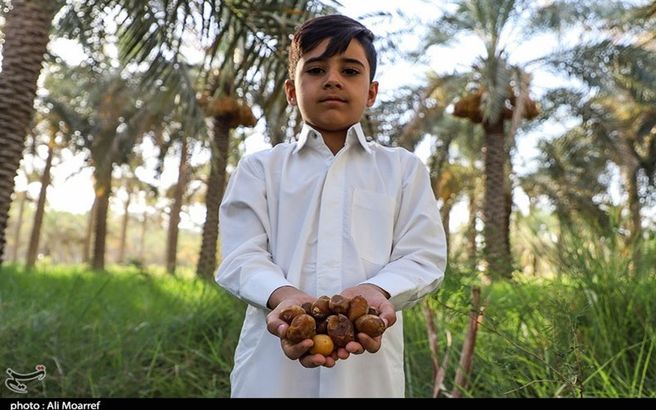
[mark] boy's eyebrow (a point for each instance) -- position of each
(343, 60)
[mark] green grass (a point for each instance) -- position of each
(591, 332)
(128, 333)
(117, 334)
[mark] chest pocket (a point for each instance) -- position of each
(372, 225)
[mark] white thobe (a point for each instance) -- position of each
(298, 215)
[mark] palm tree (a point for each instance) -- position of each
(451, 176)
(22, 198)
(33, 247)
(50, 126)
(25, 39)
(150, 199)
(102, 117)
(178, 197)
(492, 108)
(31, 175)
(88, 236)
(620, 114)
(235, 81)
(227, 113)
(276, 117)
(625, 127)
(456, 176)
(153, 32)
(497, 93)
(245, 42)
(571, 175)
(131, 185)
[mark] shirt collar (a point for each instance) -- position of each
(355, 132)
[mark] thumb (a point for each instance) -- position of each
(282, 330)
(276, 326)
(388, 314)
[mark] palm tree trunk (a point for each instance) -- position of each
(507, 195)
(277, 134)
(497, 251)
(19, 225)
(631, 181)
(445, 209)
(33, 248)
(635, 230)
(437, 163)
(445, 213)
(124, 229)
(277, 123)
(472, 248)
(174, 217)
(142, 240)
(103, 192)
(215, 189)
(629, 163)
(89, 234)
(25, 39)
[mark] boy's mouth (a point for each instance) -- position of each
(332, 98)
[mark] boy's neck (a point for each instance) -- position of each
(334, 140)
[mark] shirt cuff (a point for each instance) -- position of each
(398, 286)
(260, 286)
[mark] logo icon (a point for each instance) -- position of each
(14, 382)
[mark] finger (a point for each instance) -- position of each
(281, 330)
(335, 356)
(371, 345)
(330, 362)
(313, 360)
(354, 347)
(294, 351)
(342, 353)
(388, 314)
(274, 324)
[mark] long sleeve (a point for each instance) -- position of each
(418, 257)
(247, 269)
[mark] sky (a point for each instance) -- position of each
(72, 190)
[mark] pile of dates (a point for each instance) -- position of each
(331, 322)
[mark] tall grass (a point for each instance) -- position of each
(588, 333)
(117, 334)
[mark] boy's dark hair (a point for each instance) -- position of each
(341, 30)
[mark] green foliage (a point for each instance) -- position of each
(119, 334)
(589, 333)
(572, 173)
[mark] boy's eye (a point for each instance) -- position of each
(351, 71)
(315, 70)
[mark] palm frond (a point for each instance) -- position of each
(235, 35)
(556, 16)
(573, 175)
(606, 64)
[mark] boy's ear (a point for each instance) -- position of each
(373, 92)
(290, 91)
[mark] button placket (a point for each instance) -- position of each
(330, 238)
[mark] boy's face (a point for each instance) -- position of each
(332, 93)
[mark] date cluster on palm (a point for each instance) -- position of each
(331, 322)
(469, 106)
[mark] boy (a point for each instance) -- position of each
(330, 213)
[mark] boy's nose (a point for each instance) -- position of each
(332, 80)
(332, 84)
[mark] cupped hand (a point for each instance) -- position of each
(280, 299)
(377, 298)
